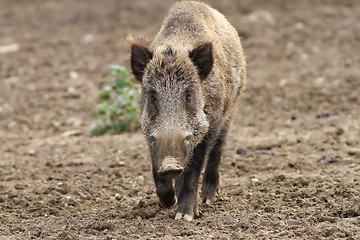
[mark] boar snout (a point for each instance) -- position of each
(170, 168)
(171, 152)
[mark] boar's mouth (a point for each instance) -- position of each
(170, 168)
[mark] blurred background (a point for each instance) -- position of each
(297, 127)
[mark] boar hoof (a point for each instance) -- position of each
(171, 205)
(207, 201)
(208, 193)
(170, 168)
(184, 216)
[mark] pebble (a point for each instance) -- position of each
(255, 180)
(323, 115)
(265, 152)
(117, 164)
(71, 93)
(293, 117)
(279, 178)
(31, 152)
(326, 114)
(333, 159)
(117, 196)
(87, 38)
(71, 133)
(332, 124)
(20, 186)
(291, 165)
(293, 222)
(9, 48)
(237, 191)
(329, 159)
(241, 151)
(73, 75)
(299, 26)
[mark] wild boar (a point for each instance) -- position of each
(191, 75)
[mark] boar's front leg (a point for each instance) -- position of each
(165, 190)
(187, 202)
(211, 174)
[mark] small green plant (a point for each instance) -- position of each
(118, 107)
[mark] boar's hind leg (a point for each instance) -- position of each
(188, 183)
(165, 190)
(211, 174)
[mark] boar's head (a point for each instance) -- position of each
(172, 112)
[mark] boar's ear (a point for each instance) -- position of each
(140, 56)
(202, 57)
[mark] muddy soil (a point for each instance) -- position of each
(291, 168)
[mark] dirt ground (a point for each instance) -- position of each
(291, 169)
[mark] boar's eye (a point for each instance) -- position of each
(152, 96)
(190, 103)
(152, 106)
(188, 95)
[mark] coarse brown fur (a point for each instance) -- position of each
(192, 75)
